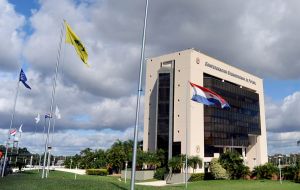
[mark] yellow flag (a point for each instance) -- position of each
(73, 39)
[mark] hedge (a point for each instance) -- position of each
(197, 177)
(101, 172)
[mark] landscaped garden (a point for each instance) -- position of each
(31, 180)
(226, 172)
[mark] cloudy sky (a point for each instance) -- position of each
(97, 104)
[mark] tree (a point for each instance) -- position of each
(116, 156)
(232, 162)
(141, 158)
(101, 160)
(175, 163)
(86, 159)
(194, 161)
(160, 153)
(152, 160)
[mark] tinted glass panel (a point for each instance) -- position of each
(230, 127)
(163, 111)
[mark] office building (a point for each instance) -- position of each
(170, 115)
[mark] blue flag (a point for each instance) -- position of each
(48, 115)
(23, 79)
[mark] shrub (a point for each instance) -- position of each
(217, 170)
(297, 176)
(291, 172)
(101, 172)
(265, 171)
(160, 173)
(197, 177)
(232, 162)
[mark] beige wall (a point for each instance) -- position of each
(190, 66)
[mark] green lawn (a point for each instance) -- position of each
(65, 181)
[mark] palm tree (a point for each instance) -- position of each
(152, 160)
(194, 161)
(175, 163)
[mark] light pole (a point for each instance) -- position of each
(279, 166)
(126, 164)
(71, 163)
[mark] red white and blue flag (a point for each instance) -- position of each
(208, 97)
(13, 132)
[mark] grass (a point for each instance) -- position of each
(31, 180)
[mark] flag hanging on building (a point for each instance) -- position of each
(20, 128)
(23, 79)
(208, 97)
(38, 118)
(57, 113)
(73, 39)
(13, 132)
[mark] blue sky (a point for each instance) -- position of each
(25, 7)
(278, 89)
(246, 35)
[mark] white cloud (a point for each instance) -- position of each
(283, 143)
(70, 142)
(283, 116)
(11, 36)
(258, 36)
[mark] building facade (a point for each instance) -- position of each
(178, 125)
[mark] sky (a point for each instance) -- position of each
(98, 104)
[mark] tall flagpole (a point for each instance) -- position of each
(138, 101)
(10, 126)
(52, 98)
(50, 144)
(40, 160)
(186, 135)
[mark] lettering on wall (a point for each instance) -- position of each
(230, 73)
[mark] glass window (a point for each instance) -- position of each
(231, 126)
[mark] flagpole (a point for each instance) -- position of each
(186, 135)
(52, 98)
(138, 101)
(11, 123)
(49, 153)
(40, 160)
(34, 137)
(18, 145)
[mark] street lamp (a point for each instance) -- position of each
(71, 163)
(95, 163)
(279, 166)
(126, 164)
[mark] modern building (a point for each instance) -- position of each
(178, 125)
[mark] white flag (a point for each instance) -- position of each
(57, 113)
(20, 129)
(37, 119)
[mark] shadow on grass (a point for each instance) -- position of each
(118, 186)
(28, 172)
